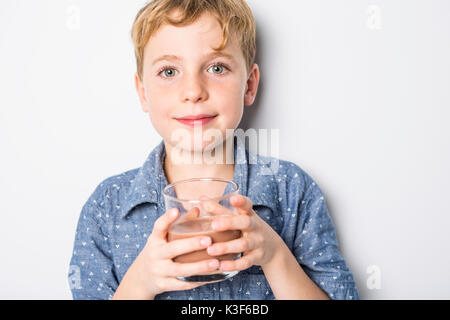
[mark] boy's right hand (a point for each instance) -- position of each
(154, 271)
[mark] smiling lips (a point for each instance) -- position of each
(200, 119)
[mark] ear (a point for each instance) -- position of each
(140, 89)
(252, 85)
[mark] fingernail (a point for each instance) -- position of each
(206, 241)
(214, 264)
(211, 250)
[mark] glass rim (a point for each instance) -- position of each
(234, 184)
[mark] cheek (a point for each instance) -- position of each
(232, 101)
(159, 101)
(159, 113)
(231, 90)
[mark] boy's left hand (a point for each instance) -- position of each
(258, 242)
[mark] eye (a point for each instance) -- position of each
(218, 68)
(167, 72)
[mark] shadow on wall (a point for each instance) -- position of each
(249, 117)
(249, 121)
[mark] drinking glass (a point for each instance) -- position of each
(188, 196)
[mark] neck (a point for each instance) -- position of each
(199, 168)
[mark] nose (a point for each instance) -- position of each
(194, 89)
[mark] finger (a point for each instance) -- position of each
(242, 203)
(178, 247)
(204, 199)
(162, 224)
(216, 208)
(234, 246)
(242, 263)
(239, 222)
(186, 269)
(190, 215)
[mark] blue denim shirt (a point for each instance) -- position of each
(118, 217)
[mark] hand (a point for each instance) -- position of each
(258, 242)
(154, 271)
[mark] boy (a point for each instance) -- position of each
(195, 69)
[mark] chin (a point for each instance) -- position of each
(197, 146)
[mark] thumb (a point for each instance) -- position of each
(162, 224)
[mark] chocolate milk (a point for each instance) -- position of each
(201, 227)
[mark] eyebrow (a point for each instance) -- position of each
(209, 56)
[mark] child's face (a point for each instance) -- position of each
(196, 83)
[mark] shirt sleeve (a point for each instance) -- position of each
(316, 247)
(91, 272)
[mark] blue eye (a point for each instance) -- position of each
(167, 73)
(217, 68)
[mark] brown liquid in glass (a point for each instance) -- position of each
(201, 227)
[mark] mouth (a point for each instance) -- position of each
(196, 120)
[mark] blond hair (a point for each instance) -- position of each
(234, 16)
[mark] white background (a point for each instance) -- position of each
(360, 91)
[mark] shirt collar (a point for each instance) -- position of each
(150, 180)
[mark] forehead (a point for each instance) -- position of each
(194, 40)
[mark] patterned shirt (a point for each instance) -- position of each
(118, 217)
